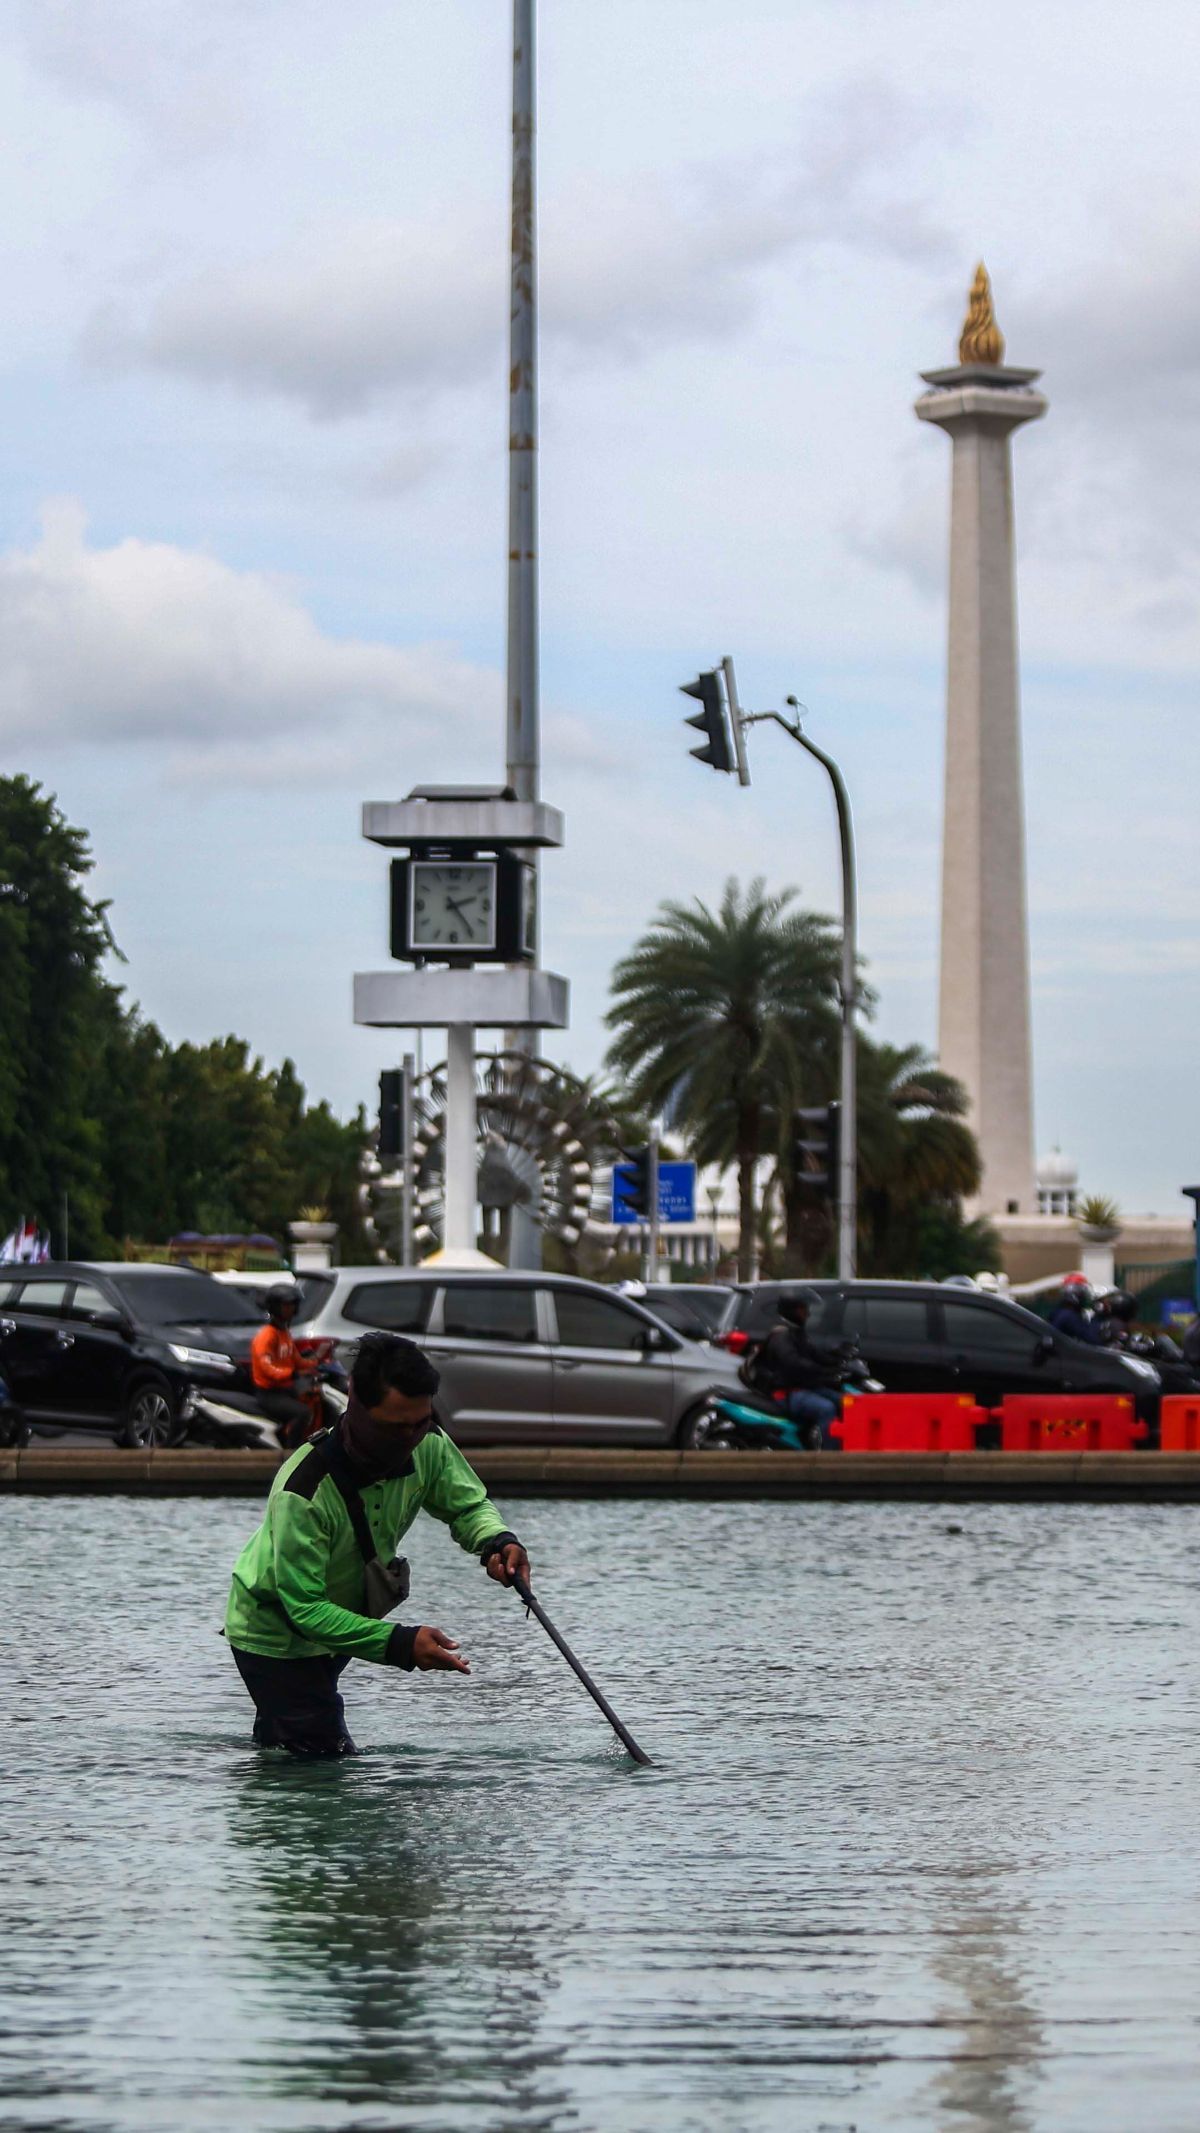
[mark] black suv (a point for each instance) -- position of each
(921, 1336)
(118, 1347)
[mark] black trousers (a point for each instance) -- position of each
(297, 1702)
(289, 1413)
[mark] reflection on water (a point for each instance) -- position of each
(917, 1850)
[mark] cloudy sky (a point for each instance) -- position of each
(252, 551)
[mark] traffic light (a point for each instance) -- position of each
(632, 1182)
(816, 1148)
(391, 1112)
(712, 720)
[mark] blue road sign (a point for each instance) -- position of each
(676, 1193)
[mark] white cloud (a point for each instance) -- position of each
(388, 475)
(349, 314)
(171, 66)
(911, 539)
(145, 642)
(359, 310)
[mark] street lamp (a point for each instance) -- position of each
(727, 751)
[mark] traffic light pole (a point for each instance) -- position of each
(652, 1211)
(847, 1181)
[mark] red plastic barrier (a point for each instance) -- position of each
(909, 1422)
(1068, 1422)
(1179, 1422)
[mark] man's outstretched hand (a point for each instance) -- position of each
(508, 1563)
(432, 1649)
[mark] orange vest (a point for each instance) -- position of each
(274, 1357)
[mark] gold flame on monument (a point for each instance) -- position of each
(981, 340)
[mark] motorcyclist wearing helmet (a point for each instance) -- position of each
(277, 1368)
(789, 1362)
(1177, 1372)
(1071, 1315)
(1118, 1310)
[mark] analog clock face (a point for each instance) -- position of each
(453, 904)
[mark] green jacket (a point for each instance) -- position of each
(298, 1584)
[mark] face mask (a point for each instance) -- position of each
(383, 1448)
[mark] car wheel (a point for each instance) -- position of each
(697, 1428)
(151, 1422)
(15, 1431)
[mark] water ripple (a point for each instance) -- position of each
(916, 1852)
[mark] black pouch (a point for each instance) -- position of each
(386, 1585)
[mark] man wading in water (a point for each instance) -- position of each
(311, 1586)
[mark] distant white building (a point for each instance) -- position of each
(1057, 1183)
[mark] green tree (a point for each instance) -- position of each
(719, 1018)
(128, 1093)
(917, 1156)
(917, 1161)
(245, 1152)
(143, 1138)
(53, 940)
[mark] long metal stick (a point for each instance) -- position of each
(525, 1595)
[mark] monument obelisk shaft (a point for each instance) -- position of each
(984, 1020)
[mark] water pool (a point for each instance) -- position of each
(918, 1850)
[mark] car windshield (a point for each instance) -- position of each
(758, 1312)
(173, 1296)
(697, 1312)
(314, 1289)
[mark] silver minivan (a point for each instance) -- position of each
(527, 1358)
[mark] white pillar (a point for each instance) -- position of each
(461, 1152)
(1098, 1263)
(984, 1020)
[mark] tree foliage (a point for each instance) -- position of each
(917, 1161)
(142, 1137)
(719, 1015)
(727, 1023)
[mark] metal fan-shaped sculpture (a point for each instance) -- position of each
(543, 1134)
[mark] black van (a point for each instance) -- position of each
(922, 1336)
(118, 1347)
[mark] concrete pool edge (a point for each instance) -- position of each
(535, 1470)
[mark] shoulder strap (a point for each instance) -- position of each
(343, 1480)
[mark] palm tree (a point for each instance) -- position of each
(719, 1015)
(916, 1153)
(917, 1160)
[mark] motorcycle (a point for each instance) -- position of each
(760, 1422)
(236, 1421)
(1167, 1357)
